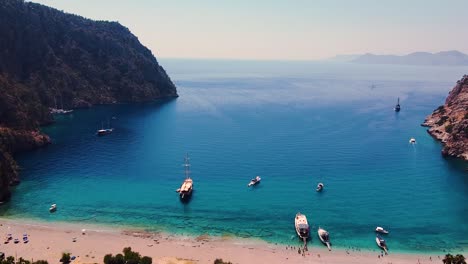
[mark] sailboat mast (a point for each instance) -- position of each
(187, 166)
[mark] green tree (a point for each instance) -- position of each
(40, 262)
(146, 260)
(450, 259)
(65, 258)
(220, 261)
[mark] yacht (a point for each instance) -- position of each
(324, 237)
(185, 190)
(254, 181)
(412, 141)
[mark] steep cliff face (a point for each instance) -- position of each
(52, 59)
(449, 122)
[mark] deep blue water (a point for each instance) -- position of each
(293, 123)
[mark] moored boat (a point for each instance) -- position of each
(381, 230)
(53, 208)
(319, 187)
(381, 243)
(104, 131)
(302, 227)
(324, 237)
(254, 181)
(186, 189)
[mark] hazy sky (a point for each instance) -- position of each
(294, 29)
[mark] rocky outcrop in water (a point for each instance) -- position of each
(449, 122)
(49, 58)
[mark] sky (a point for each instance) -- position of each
(283, 30)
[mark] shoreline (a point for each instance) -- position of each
(49, 240)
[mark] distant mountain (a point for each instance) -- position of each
(50, 58)
(344, 58)
(450, 58)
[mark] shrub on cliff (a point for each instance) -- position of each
(449, 128)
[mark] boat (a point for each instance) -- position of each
(59, 111)
(324, 237)
(381, 243)
(104, 131)
(319, 187)
(186, 189)
(254, 181)
(381, 230)
(412, 141)
(53, 208)
(302, 227)
(397, 106)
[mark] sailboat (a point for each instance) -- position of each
(397, 106)
(185, 190)
(104, 131)
(59, 111)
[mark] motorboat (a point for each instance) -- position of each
(381, 243)
(53, 208)
(254, 181)
(381, 230)
(186, 189)
(302, 227)
(324, 237)
(412, 141)
(319, 187)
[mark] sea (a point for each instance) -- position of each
(294, 124)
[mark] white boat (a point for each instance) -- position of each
(302, 227)
(319, 187)
(53, 208)
(381, 243)
(104, 131)
(324, 237)
(254, 181)
(381, 230)
(412, 141)
(185, 190)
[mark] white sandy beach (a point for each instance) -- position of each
(48, 241)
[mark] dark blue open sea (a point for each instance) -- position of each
(293, 123)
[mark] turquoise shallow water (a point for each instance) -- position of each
(293, 123)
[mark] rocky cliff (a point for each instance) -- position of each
(52, 59)
(449, 122)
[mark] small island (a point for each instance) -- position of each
(449, 122)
